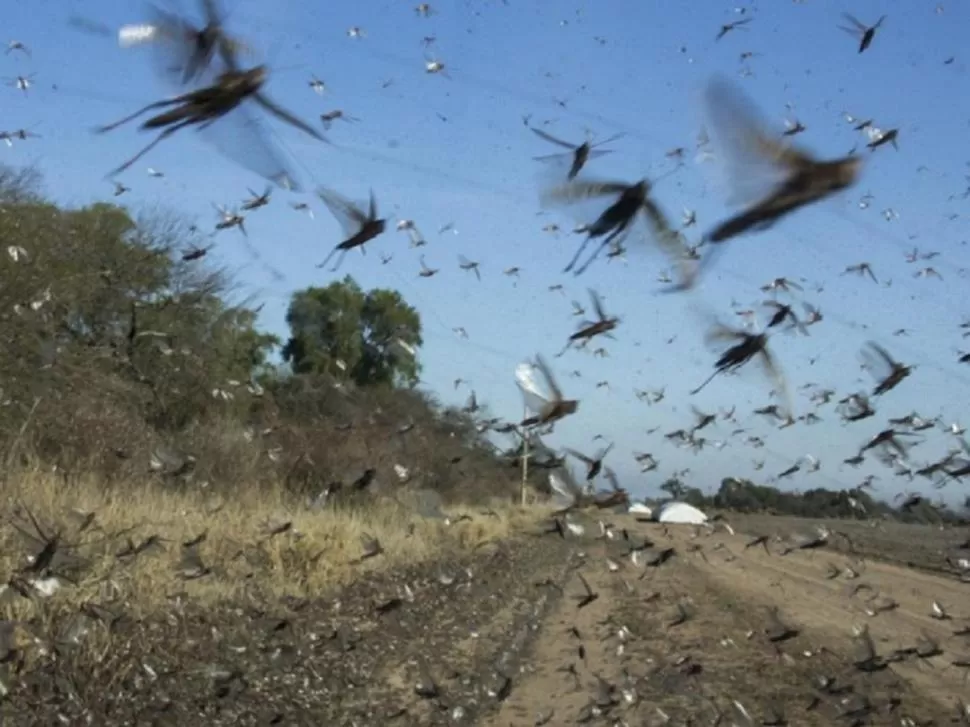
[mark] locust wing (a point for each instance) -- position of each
(586, 199)
(541, 455)
(179, 56)
(348, 215)
(772, 368)
(565, 489)
(577, 191)
(242, 137)
(753, 162)
(877, 361)
(597, 304)
(552, 139)
(533, 396)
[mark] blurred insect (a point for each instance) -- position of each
(195, 253)
(432, 65)
(17, 45)
(735, 25)
(891, 440)
(878, 137)
(21, 134)
(303, 207)
(21, 83)
(602, 326)
(465, 264)
(426, 272)
(580, 153)
(793, 128)
(887, 372)
(748, 346)
(593, 464)
(203, 107)
(783, 313)
(186, 52)
(229, 219)
(360, 228)
(414, 234)
(328, 118)
(804, 180)
(860, 269)
(256, 201)
(318, 86)
(865, 33)
(548, 408)
(615, 221)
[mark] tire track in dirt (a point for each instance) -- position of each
(454, 667)
(638, 666)
(797, 585)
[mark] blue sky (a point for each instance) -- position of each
(618, 66)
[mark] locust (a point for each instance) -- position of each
(549, 409)
(201, 108)
(466, 264)
(229, 219)
(879, 137)
(581, 153)
(615, 221)
(804, 179)
(256, 201)
(783, 313)
(360, 227)
(193, 49)
(602, 326)
(888, 372)
(748, 346)
(865, 33)
(734, 25)
(593, 464)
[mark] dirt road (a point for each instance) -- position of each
(688, 640)
(505, 637)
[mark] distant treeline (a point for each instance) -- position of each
(741, 495)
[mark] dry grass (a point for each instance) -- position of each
(319, 551)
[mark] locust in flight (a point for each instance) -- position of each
(803, 179)
(256, 201)
(466, 264)
(865, 33)
(187, 51)
(747, 346)
(887, 371)
(581, 153)
(602, 326)
(593, 464)
(616, 220)
(734, 25)
(203, 107)
(879, 137)
(551, 408)
(359, 227)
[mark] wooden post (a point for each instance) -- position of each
(525, 461)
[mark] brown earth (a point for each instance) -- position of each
(504, 643)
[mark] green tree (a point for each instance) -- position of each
(69, 298)
(368, 338)
(674, 487)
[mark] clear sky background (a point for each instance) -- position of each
(454, 149)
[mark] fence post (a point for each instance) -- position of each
(525, 460)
